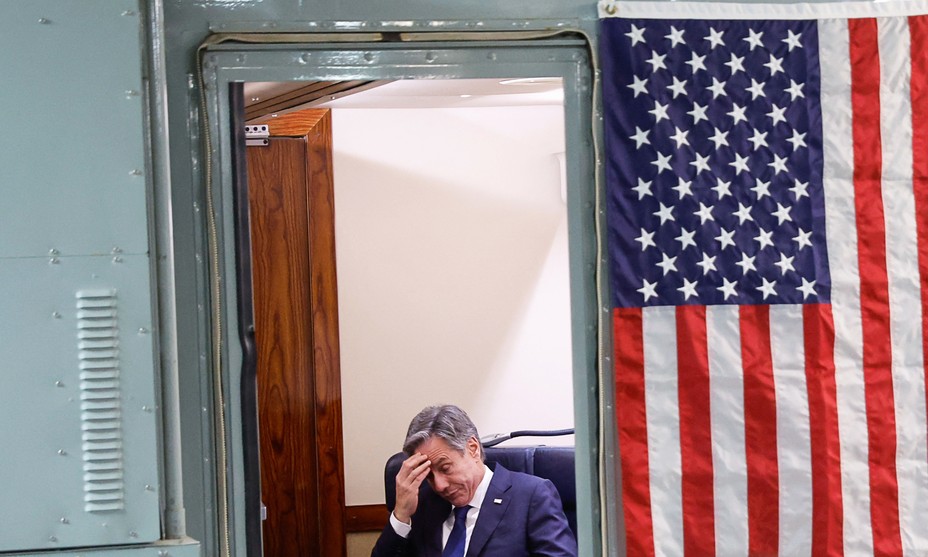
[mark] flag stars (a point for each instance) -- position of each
(683, 187)
(743, 213)
(698, 113)
(775, 65)
(686, 238)
(802, 239)
(719, 138)
(777, 114)
(701, 163)
(667, 264)
(736, 63)
(680, 137)
(756, 89)
(798, 140)
(639, 85)
(728, 288)
(740, 164)
(800, 189)
(785, 264)
(648, 290)
(746, 263)
(792, 40)
(726, 238)
(707, 263)
(665, 213)
(688, 289)
(636, 35)
(715, 38)
(807, 288)
(646, 239)
(767, 287)
(795, 90)
(697, 63)
(640, 137)
(675, 37)
(662, 163)
(737, 113)
(782, 214)
(764, 239)
(657, 61)
(678, 87)
(759, 139)
(643, 188)
(761, 188)
(717, 88)
(754, 39)
(659, 111)
(704, 213)
(722, 188)
(778, 165)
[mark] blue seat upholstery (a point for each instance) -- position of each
(552, 463)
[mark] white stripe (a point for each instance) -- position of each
(747, 10)
(904, 288)
(840, 212)
(726, 405)
(661, 402)
(794, 440)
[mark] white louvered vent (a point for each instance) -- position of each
(101, 417)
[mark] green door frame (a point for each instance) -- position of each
(256, 57)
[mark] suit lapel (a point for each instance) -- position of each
(490, 512)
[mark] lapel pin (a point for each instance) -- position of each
(497, 501)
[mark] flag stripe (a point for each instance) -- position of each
(837, 179)
(661, 396)
(874, 295)
(819, 338)
(794, 461)
(760, 419)
(695, 431)
(727, 412)
(904, 289)
(632, 426)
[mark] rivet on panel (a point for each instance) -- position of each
(117, 259)
(131, 93)
(44, 21)
(62, 452)
(64, 520)
(149, 487)
(53, 252)
(135, 172)
(56, 315)
(54, 261)
(146, 408)
(305, 58)
(429, 56)
(133, 534)
(128, 13)
(491, 56)
(143, 331)
(163, 553)
(52, 539)
(59, 384)
(368, 56)
(116, 249)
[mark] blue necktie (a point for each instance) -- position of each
(455, 545)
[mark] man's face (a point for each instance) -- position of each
(453, 475)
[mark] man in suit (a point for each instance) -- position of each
(450, 504)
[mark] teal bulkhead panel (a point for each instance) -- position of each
(79, 438)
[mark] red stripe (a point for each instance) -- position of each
(918, 30)
(827, 508)
(874, 290)
(631, 417)
(760, 431)
(695, 431)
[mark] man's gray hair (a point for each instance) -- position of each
(446, 422)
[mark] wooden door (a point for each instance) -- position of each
(296, 332)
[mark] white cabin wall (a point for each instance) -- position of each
(451, 246)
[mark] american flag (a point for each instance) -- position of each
(767, 209)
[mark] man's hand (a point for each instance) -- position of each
(411, 475)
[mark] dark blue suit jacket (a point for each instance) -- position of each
(528, 521)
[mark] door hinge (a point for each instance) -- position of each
(256, 135)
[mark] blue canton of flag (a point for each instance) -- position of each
(715, 162)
